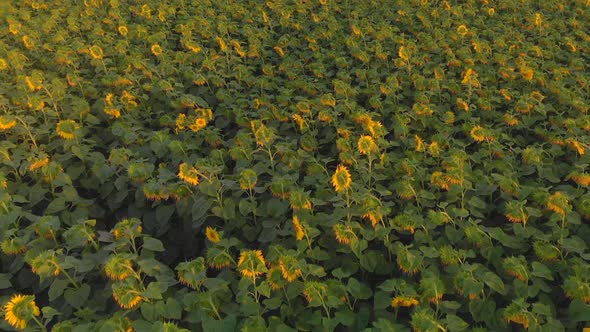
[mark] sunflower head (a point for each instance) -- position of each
(344, 233)
(46, 264)
(66, 129)
(558, 203)
(212, 234)
(300, 231)
(7, 122)
(188, 174)
(218, 258)
(341, 180)
(251, 263)
(13, 246)
(290, 268)
(193, 273)
(366, 145)
(404, 301)
(248, 179)
(300, 200)
(127, 293)
(274, 277)
(119, 267)
(19, 310)
(127, 229)
(156, 49)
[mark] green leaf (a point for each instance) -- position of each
(494, 282)
(226, 324)
(77, 297)
(454, 323)
(49, 312)
(578, 311)
(152, 244)
(359, 290)
(541, 271)
(155, 290)
(5, 281)
(57, 288)
(381, 300)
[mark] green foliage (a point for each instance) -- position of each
(298, 165)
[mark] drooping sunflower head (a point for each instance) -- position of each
(218, 258)
(46, 264)
(275, 279)
(66, 129)
(558, 203)
(290, 267)
(19, 310)
(188, 174)
(127, 229)
(404, 301)
(300, 200)
(127, 293)
(13, 246)
(299, 228)
(341, 180)
(251, 263)
(118, 267)
(193, 273)
(248, 179)
(344, 233)
(7, 122)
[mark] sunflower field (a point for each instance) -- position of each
(294, 165)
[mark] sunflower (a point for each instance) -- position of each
(218, 258)
(582, 179)
(112, 112)
(275, 279)
(477, 134)
(3, 64)
(45, 264)
(156, 49)
(118, 267)
(193, 273)
(251, 263)
(96, 52)
(290, 269)
(367, 145)
(341, 179)
(248, 179)
(127, 293)
(123, 30)
(39, 163)
(188, 174)
(404, 301)
(314, 290)
(19, 310)
(300, 200)
(403, 53)
(419, 143)
(6, 122)
(212, 234)
(66, 129)
(438, 180)
(299, 120)
(199, 124)
(558, 203)
(13, 246)
(127, 229)
(344, 234)
(462, 30)
(298, 227)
